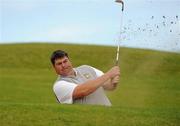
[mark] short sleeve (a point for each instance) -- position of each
(98, 72)
(64, 91)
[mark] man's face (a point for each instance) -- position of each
(63, 66)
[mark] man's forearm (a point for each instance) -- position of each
(90, 86)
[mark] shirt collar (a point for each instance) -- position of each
(76, 72)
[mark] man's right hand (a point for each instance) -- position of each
(113, 72)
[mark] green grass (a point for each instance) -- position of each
(148, 93)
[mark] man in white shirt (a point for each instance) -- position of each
(83, 84)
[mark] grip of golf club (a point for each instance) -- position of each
(117, 63)
(117, 60)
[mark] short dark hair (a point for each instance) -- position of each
(58, 54)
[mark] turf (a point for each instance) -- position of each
(148, 93)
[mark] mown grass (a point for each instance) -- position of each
(76, 115)
(148, 93)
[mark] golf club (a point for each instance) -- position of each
(118, 42)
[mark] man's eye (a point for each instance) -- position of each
(59, 63)
(65, 61)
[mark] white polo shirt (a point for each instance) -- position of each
(64, 91)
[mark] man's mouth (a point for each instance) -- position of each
(64, 69)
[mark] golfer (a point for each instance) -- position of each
(83, 84)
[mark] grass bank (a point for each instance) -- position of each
(148, 93)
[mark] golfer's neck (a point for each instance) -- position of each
(71, 73)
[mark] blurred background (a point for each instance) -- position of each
(152, 24)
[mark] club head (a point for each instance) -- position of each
(120, 1)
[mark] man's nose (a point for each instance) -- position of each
(63, 64)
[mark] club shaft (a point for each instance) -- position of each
(117, 56)
(118, 42)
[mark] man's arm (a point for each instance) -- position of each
(90, 86)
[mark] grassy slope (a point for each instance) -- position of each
(148, 94)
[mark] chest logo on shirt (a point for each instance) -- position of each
(87, 75)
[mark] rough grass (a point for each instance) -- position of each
(148, 93)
